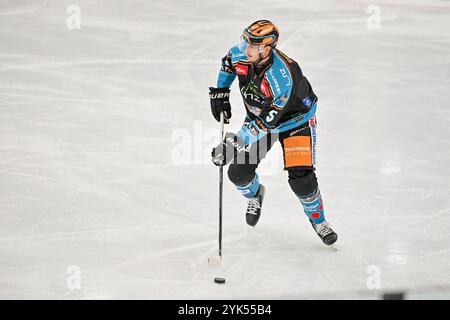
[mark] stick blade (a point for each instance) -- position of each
(214, 262)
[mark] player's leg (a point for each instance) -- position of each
(304, 184)
(245, 178)
(299, 150)
(243, 175)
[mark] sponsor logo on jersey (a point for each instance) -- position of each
(275, 81)
(265, 89)
(297, 149)
(307, 102)
(252, 129)
(242, 70)
(252, 96)
(297, 131)
(285, 74)
(226, 67)
(313, 140)
(238, 55)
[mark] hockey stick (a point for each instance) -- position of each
(216, 261)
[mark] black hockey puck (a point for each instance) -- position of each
(219, 280)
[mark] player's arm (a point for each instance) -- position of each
(227, 73)
(220, 96)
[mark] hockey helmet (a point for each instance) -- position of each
(261, 32)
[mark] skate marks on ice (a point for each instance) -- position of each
(396, 228)
(211, 244)
(17, 7)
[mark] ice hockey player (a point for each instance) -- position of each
(280, 105)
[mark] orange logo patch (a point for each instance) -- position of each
(297, 151)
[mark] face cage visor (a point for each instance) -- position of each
(244, 43)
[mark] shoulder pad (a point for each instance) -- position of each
(279, 77)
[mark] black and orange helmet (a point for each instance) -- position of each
(262, 32)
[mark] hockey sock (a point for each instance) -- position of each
(250, 189)
(313, 206)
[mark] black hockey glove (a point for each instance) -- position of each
(220, 101)
(231, 147)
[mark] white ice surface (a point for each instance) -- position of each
(105, 133)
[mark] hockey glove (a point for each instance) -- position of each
(231, 147)
(220, 101)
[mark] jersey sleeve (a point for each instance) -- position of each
(250, 133)
(227, 73)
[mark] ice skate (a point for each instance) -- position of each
(325, 232)
(254, 207)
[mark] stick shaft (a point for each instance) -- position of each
(220, 188)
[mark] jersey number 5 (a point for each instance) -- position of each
(271, 115)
